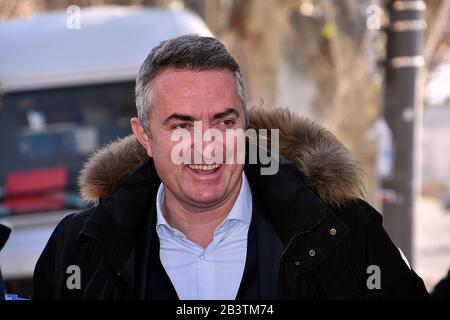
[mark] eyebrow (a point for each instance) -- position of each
(227, 112)
(178, 116)
(186, 117)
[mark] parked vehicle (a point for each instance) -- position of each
(66, 92)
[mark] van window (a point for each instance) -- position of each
(61, 127)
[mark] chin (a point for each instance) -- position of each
(206, 197)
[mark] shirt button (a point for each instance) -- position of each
(312, 253)
(202, 257)
(333, 232)
(297, 263)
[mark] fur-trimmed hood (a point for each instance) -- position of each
(328, 165)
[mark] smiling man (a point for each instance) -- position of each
(197, 196)
(211, 229)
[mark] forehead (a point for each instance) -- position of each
(188, 90)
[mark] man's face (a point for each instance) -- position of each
(180, 97)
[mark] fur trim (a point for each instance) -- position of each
(107, 167)
(328, 165)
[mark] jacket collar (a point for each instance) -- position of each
(320, 173)
(115, 221)
(291, 206)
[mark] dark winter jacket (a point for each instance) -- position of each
(333, 245)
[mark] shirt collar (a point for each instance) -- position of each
(241, 210)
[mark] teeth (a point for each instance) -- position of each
(205, 167)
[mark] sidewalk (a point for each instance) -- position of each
(432, 241)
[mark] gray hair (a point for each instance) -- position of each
(188, 52)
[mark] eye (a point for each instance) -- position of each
(229, 122)
(181, 126)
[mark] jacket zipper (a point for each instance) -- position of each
(277, 271)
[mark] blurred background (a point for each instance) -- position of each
(376, 73)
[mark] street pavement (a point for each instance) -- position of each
(431, 241)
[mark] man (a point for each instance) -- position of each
(221, 229)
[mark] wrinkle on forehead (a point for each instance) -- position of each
(196, 92)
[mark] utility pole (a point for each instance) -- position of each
(403, 61)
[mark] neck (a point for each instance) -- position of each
(198, 224)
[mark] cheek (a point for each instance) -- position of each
(159, 144)
(161, 149)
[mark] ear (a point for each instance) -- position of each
(141, 135)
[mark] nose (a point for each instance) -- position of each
(207, 144)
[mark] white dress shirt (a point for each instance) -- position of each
(215, 272)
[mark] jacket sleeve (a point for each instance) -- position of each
(45, 272)
(383, 274)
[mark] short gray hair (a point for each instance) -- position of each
(188, 52)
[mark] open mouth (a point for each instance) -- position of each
(204, 168)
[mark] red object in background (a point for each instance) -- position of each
(37, 190)
(389, 196)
